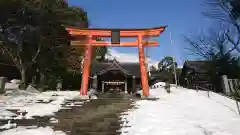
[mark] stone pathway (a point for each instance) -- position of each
(97, 117)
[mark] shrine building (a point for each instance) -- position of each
(113, 76)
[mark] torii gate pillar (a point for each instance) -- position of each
(143, 68)
(86, 66)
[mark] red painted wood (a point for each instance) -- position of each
(143, 69)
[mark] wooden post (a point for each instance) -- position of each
(125, 84)
(225, 85)
(3, 81)
(133, 84)
(237, 106)
(143, 69)
(95, 82)
(86, 67)
(102, 86)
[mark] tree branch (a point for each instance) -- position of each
(9, 53)
(37, 53)
(235, 46)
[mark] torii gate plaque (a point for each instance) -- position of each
(115, 34)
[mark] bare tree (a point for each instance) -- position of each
(218, 44)
(12, 44)
(225, 12)
(211, 44)
(236, 8)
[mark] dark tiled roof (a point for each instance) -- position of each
(198, 66)
(129, 68)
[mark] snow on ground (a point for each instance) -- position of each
(182, 112)
(11, 86)
(42, 104)
(33, 104)
(32, 131)
(158, 84)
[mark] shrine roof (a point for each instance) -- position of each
(198, 66)
(129, 68)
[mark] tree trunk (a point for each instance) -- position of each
(34, 80)
(42, 81)
(33, 72)
(23, 79)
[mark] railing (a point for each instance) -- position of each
(230, 97)
(202, 88)
(230, 86)
(234, 85)
(233, 98)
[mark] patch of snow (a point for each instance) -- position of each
(41, 109)
(14, 93)
(25, 101)
(72, 104)
(19, 116)
(78, 105)
(7, 113)
(81, 97)
(156, 92)
(32, 89)
(181, 112)
(28, 127)
(53, 120)
(93, 97)
(66, 108)
(36, 131)
(4, 114)
(16, 81)
(11, 86)
(230, 103)
(92, 92)
(9, 125)
(160, 84)
(77, 102)
(21, 111)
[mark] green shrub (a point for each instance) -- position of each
(70, 80)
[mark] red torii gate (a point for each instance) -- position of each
(115, 34)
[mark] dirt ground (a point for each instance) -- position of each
(97, 117)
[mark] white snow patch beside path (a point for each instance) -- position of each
(182, 112)
(37, 131)
(29, 102)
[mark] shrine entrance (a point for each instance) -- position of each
(114, 81)
(115, 35)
